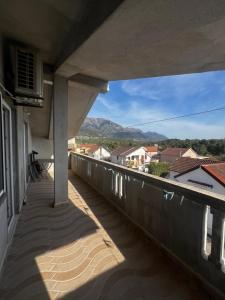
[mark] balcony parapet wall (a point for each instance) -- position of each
(172, 214)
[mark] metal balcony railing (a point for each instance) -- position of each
(174, 215)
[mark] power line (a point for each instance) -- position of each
(179, 117)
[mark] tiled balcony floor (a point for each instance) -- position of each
(86, 250)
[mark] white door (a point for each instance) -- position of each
(8, 160)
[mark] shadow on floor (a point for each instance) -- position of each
(86, 250)
(145, 272)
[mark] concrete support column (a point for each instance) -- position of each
(217, 238)
(60, 131)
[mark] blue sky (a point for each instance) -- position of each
(137, 101)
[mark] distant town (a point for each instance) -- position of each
(181, 164)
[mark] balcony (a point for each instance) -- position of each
(88, 249)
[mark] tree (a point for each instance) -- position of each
(159, 169)
(203, 150)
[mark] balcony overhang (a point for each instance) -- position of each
(115, 40)
(55, 28)
(153, 38)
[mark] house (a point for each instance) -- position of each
(94, 150)
(202, 173)
(152, 150)
(71, 144)
(77, 238)
(208, 176)
(170, 155)
(185, 164)
(130, 156)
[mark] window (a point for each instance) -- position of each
(7, 150)
(201, 183)
(1, 153)
(223, 247)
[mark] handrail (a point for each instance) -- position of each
(197, 195)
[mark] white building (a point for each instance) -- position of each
(205, 174)
(95, 151)
(210, 177)
(184, 164)
(130, 156)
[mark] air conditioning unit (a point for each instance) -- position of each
(28, 71)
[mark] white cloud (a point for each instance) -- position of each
(190, 129)
(110, 105)
(194, 92)
(180, 128)
(180, 87)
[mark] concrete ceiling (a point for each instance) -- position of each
(119, 39)
(147, 38)
(93, 41)
(52, 26)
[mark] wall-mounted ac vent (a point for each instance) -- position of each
(28, 73)
(25, 70)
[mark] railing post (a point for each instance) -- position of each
(217, 239)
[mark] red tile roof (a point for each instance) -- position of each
(151, 149)
(124, 150)
(86, 145)
(174, 151)
(217, 171)
(90, 147)
(185, 164)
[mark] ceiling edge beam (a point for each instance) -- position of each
(100, 84)
(95, 13)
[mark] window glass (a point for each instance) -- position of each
(1, 153)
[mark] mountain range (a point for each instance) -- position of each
(99, 127)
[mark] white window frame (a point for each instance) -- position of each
(4, 104)
(3, 155)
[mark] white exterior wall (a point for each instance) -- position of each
(122, 160)
(200, 175)
(43, 146)
(152, 153)
(190, 153)
(139, 152)
(72, 143)
(101, 153)
(117, 159)
(148, 159)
